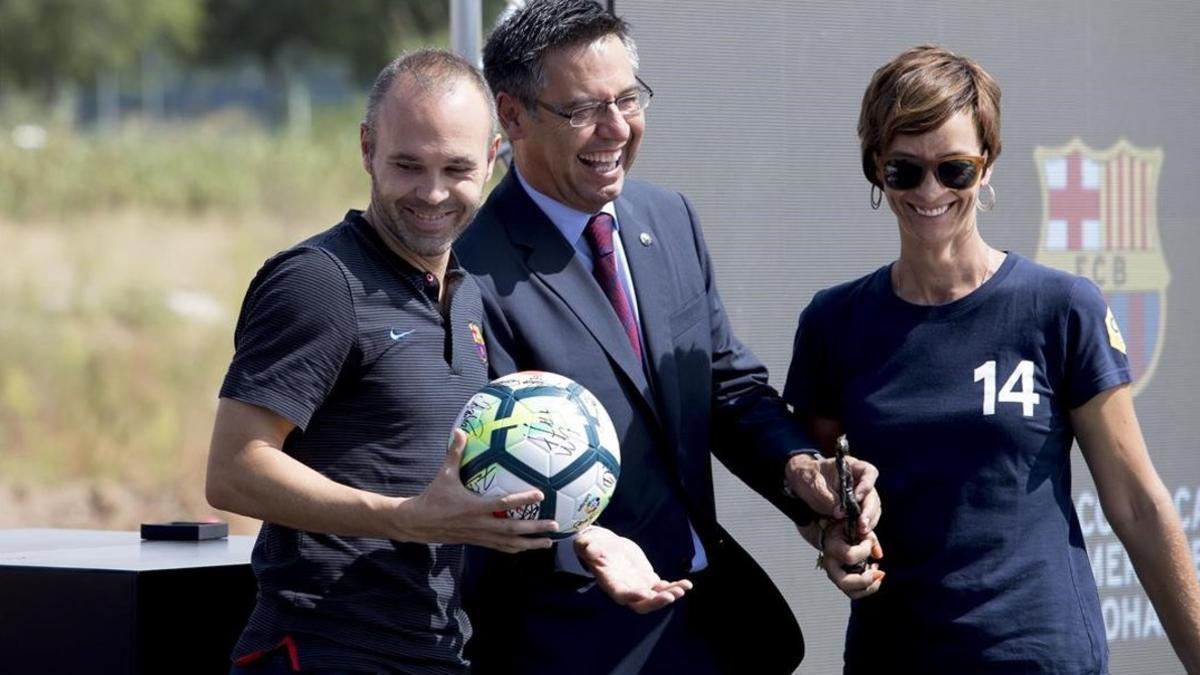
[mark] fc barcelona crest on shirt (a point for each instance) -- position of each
(477, 336)
(1100, 220)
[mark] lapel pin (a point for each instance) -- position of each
(645, 239)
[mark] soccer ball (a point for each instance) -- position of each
(541, 430)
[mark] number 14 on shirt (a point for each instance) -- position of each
(1022, 375)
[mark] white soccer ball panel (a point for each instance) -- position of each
(553, 438)
(533, 378)
(581, 501)
(496, 481)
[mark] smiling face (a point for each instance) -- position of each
(583, 168)
(931, 214)
(431, 154)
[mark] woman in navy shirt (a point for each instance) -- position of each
(965, 373)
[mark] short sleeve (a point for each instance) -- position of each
(1096, 359)
(296, 330)
(810, 388)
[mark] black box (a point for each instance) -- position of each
(181, 530)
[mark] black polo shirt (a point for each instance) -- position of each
(346, 340)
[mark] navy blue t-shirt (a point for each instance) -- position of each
(350, 343)
(964, 408)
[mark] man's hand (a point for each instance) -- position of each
(816, 482)
(624, 573)
(448, 513)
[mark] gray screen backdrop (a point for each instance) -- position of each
(754, 119)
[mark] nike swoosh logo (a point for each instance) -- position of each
(400, 336)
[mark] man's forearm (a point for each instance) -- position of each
(266, 483)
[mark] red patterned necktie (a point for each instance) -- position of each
(599, 235)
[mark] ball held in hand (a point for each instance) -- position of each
(539, 430)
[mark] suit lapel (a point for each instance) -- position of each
(550, 258)
(646, 249)
(651, 272)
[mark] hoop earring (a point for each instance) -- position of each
(876, 196)
(990, 202)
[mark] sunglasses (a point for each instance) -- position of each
(956, 172)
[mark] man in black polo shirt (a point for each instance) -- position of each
(355, 350)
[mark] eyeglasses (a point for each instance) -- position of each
(956, 172)
(587, 114)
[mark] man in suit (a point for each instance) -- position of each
(609, 282)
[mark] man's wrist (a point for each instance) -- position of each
(797, 464)
(394, 516)
(799, 469)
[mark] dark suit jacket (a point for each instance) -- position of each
(702, 391)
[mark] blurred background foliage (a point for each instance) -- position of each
(153, 153)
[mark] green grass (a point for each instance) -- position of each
(101, 377)
(225, 164)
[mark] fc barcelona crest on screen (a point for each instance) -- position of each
(1100, 220)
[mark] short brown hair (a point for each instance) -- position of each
(429, 68)
(919, 90)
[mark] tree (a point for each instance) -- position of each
(281, 35)
(46, 44)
